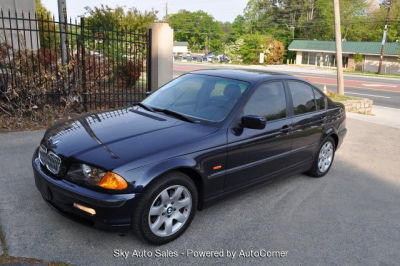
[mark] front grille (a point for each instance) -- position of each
(49, 159)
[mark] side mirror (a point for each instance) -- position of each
(148, 93)
(254, 121)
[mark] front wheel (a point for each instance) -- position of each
(165, 209)
(324, 159)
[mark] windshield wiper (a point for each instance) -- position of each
(175, 114)
(144, 106)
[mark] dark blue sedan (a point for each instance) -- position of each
(200, 137)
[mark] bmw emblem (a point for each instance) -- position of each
(169, 210)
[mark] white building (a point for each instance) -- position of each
(322, 53)
(181, 48)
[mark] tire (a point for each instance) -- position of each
(319, 170)
(171, 214)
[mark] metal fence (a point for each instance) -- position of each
(104, 66)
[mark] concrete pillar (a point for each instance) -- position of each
(299, 55)
(162, 38)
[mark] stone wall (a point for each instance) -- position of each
(362, 106)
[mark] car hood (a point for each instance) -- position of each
(113, 138)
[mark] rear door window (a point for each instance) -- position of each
(303, 97)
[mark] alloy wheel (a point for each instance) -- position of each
(170, 210)
(325, 157)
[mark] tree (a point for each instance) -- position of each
(119, 19)
(198, 28)
(46, 26)
(238, 28)
(313, 19)
(249, 47)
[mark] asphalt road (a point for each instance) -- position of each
(349, 217)
(384, 92)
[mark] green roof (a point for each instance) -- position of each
(181, 44)
(391, 48)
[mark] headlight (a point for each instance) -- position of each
(96, 176)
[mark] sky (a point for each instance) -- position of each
(221, 10)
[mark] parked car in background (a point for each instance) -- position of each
(198, 138)
(223, 59)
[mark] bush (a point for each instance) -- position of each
(250, 46)
(34, 81)
(274, 51)
(130, 72)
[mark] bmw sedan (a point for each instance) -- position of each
(200, 137)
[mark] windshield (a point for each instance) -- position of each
(198, 96)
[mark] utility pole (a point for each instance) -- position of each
(339, 59)
(166, 11)
(62, 18)
(384, 37)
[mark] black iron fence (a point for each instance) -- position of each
(96, 66)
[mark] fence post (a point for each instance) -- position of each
(148, 59)
(84, 88)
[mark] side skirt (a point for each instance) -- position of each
(301, 168)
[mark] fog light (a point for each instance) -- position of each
(85, 209)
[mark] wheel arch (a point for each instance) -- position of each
(186, 166)
(335, 137)
(331, 132)
(197, 180)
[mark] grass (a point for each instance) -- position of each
(372, 74)
(6, 259)
(340, 98)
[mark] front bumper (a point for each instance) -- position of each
(113, 211)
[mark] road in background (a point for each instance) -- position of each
(383, 91)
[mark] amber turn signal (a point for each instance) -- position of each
(112, 181)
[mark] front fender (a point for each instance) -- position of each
(142, 176)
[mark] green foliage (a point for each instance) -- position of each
(114, 27)
(238, 28)
(198, 28)
(362, 20)
(249, 46)
(233, 50)
(119, 19)
(46, 26)
(358, 58)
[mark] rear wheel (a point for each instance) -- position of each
(165, 209)
(324, 159)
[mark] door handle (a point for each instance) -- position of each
(285, 129)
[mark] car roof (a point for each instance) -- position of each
(248, 75)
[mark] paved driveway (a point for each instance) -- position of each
(351, 216)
